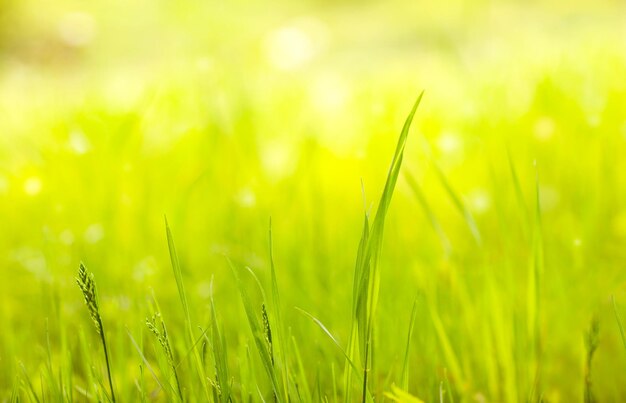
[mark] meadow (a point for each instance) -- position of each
(316, 201)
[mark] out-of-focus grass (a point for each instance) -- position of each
(222, 115)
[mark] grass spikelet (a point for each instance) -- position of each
(156, 325)
(267, 330)
(87, 285)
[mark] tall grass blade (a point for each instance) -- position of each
(279, 327)
(404, 376)
(368, 280)
(535, 271)
(178, 275)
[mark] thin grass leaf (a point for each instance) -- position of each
(279, 327)
(170, 391)
(404, 377)
(446, 382)
(178, 275)
(459, 204)
(518, 187)
(535, 270)
(332, 338)
(31, 388)
(446, 346)
(619, 321)
(302, 385)
(432, 218)
(220, 353)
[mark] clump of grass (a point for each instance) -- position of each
(87, 285)
(591, 344)
(157, 326)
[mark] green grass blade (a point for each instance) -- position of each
(404, 376)
(519, 195)
(619, 321)
(31, 388)
(459, 204)
(220, 352)
(535, 271)
(257, 330)
(303, 383)
(169, 391)
(333, 339)
(421, 198)
(369, 281)
(278, 322)
(178, 275)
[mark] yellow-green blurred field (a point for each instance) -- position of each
(506, 235)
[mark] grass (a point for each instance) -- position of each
(87, 285)
(436, 264)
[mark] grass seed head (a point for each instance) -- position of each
(157, 326)
(87, 284)
(268, 332)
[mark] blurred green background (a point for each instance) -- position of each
(221, 115)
